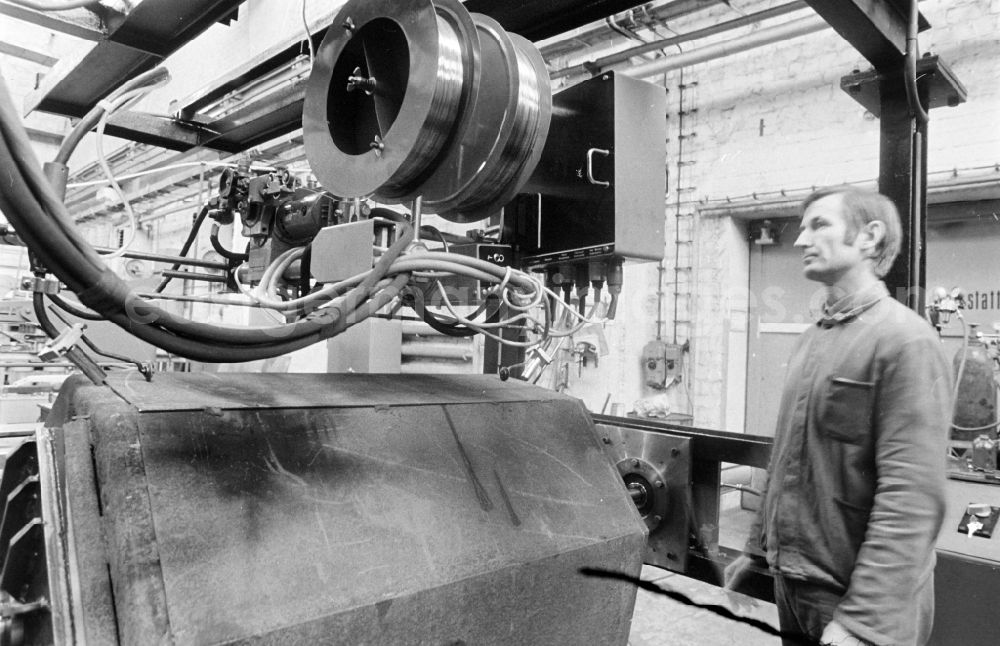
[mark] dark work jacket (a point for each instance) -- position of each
(855, 494)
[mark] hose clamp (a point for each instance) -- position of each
(40, 285)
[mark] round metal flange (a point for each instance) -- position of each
(379, 100)
(647, 485)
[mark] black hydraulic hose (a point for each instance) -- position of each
(454, 329)
(39, 216)
(448, 329)
(437, 234)
(72, 309)
(44, 322)
(305, 271)
(39, 233)
(93, 347)
(231, 256)
(192, 235)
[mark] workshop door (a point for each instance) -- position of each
(779, 310)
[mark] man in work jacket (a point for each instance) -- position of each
(855, 494)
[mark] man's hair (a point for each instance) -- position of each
(861, 206)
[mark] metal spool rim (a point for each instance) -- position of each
(438, 126)
(491, 89)
(524, 147)
(436, 185)
(354, 175)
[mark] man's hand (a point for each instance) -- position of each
(836, 635)
(733, 575)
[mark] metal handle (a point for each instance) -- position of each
(590, 166)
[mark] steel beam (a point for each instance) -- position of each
(129, 44)
(706, 444)
(156, 130)
(876, 28)
(539, 19)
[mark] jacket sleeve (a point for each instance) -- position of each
(754, 546)
(912, 422)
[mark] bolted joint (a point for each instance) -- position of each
(358, 81)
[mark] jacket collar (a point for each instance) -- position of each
(852, 305)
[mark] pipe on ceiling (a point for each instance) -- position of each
(594, 67)
(770, 35)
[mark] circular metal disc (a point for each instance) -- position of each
(396, 42)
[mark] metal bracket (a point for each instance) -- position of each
(656, 469)
(62, 344)
(942, 86)
(40, 285)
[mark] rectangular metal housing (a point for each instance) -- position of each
(599, 187)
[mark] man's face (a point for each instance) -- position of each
(823, 235)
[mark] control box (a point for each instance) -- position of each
(599, 187)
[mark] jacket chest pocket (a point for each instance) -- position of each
(846, 413)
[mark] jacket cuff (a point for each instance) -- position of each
(860, 630)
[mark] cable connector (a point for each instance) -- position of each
(62, 344)
(40, 285)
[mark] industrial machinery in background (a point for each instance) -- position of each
(225, 508)
(213, 508)
(974, 442)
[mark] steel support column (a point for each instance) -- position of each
(902, 178)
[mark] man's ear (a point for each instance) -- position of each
(872, 235)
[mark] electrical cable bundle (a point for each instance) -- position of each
(517, 291)
(41, 220)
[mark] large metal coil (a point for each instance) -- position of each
(420, 98)
(518, 139)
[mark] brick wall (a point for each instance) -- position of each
(764, 121)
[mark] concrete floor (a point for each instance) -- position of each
(661, 621)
